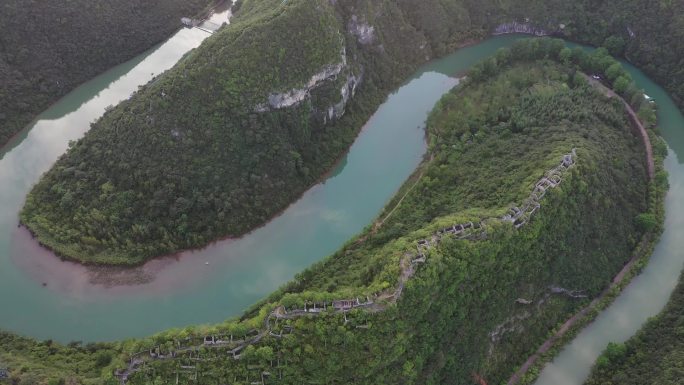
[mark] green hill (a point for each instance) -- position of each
(47, 48)
(230, 136)
(473, 304)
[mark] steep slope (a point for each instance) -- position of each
(648, 34)
(230, 136)
(473, 306)
(48, 48)
(389, 308)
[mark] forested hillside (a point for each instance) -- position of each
(473, 305)
(214, 148)
(229, 137)
(49, 47)
(650, 34)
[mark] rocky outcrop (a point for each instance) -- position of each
(295, 96)
(329, 73)
(567, 292)
(347, 92)
(364, 32)
(515, 27)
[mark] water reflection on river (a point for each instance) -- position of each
(102, 304)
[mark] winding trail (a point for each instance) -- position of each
(650, 163)
(383, 220)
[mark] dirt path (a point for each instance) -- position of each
(635, 119)
(382, 221)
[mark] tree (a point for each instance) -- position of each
(646, 221)
(265, 354)
(580, 57)
(565, 55)
(615, 45)
(578, 80)
(614, 71)
(600, 60)
(503, 56)
(615, 352)
(621, 84)
(647, 115)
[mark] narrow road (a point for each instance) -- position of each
(635, 119)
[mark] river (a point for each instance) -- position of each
(222, 280)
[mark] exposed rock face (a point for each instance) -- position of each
(516, 27)
(329, 73)
(364, 32)
(295, 96)
(348, 91)
(566, 292)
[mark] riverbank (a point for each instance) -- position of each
(529, 371)
(334, 212)
(635, 120)
(240, 272)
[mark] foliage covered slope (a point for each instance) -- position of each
(491, 139)
(49, 47)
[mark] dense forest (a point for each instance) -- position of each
(473, 308)
(655, 355)
(49, 47)
(112, 211)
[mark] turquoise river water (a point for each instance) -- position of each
(43, 297)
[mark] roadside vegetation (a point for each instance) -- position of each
(474, 308)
